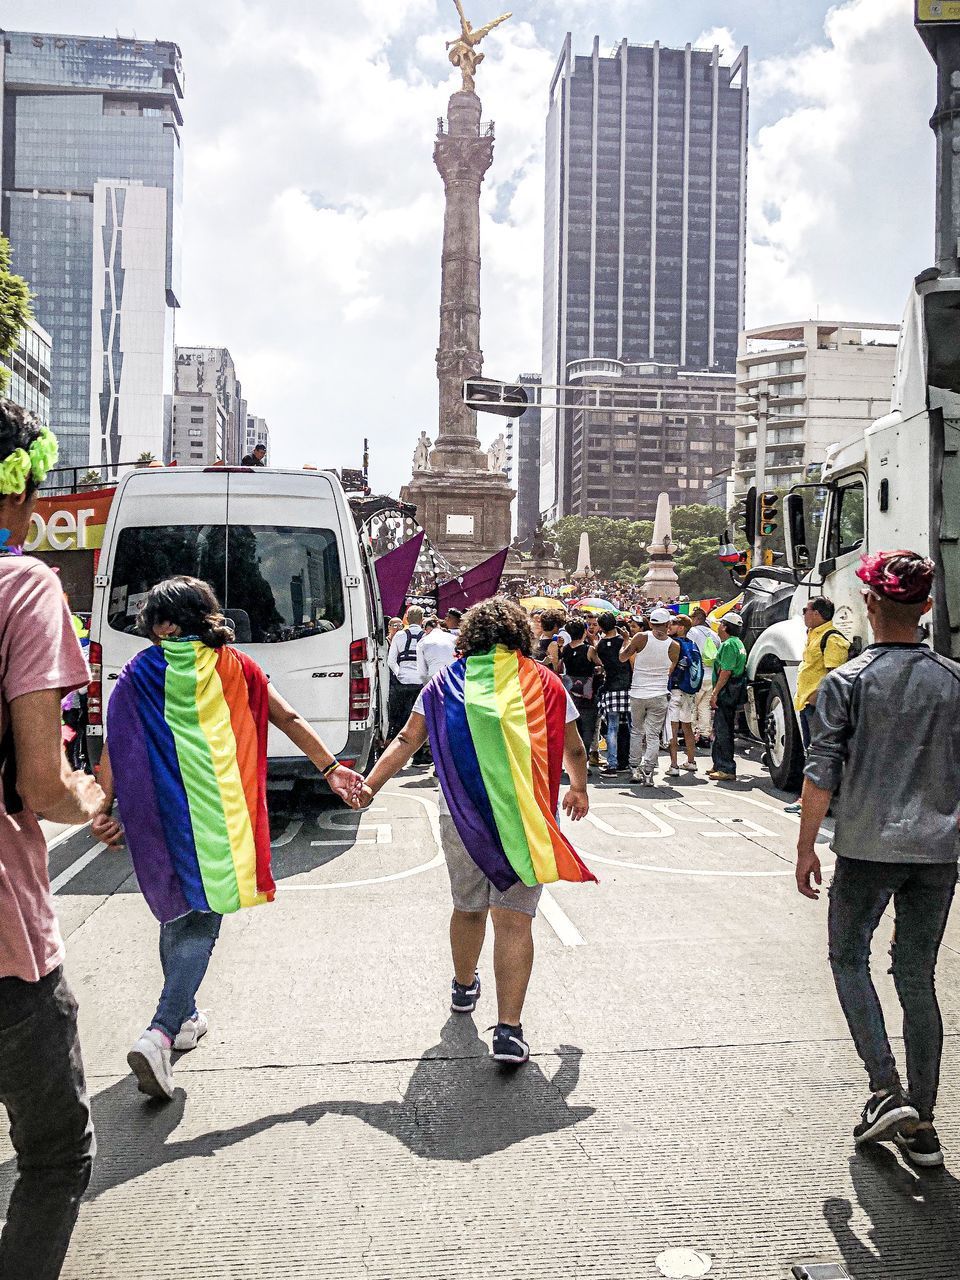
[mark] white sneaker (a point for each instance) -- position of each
(673, 772)
(690, 766)
(188, 1037)
(149, 1060)
(637, 774)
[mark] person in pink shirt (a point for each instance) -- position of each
(42, 1084)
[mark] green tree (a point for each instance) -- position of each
(612, 542)
(14, 307)
(700, 572)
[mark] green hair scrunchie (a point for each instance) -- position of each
(23, 464)
(14, 471)
(43, 455)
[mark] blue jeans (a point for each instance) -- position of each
(922, 894)
(45, 1096)
(806, 720)
(613, 728)
(186, 945)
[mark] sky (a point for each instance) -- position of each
(313, 214)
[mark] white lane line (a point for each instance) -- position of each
(290, 832)
(559, 921)
(75, 868)
(64, 836)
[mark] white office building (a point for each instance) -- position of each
(827, 382)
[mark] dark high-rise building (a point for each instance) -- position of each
(91, 180)
(523, 462)
(638, 430)
(645, 222)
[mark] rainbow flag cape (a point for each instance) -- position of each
(497, 723)
(187, 730)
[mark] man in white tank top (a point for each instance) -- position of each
(654, 657)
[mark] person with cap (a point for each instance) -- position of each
(885, 749)
(655, 655)
(729, 690)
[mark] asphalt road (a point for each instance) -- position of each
(690, 1097)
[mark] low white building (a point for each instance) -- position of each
(257, 432)
(827, 381)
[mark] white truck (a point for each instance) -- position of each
(897, 485)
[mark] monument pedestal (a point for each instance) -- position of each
(466, 513)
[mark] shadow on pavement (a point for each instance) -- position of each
(459, 1105)
(915, 1220)
(132, 1136)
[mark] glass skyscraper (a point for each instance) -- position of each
(645, 222)
(91, 181)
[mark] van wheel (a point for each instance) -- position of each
(781, 736)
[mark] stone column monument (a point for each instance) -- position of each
(463, 504)
(660, 581)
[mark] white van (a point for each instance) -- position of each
(283, 553)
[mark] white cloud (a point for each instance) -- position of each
(841, 184)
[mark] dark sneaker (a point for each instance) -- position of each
(509, 1044)
(921, 1147)
(607, 772)
(464, 999)
(882, 1115)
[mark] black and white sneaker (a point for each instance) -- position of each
(464, 999)
(509, 1044)
(921, 1147)
(882, 1114)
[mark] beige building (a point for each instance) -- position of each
(829, 380)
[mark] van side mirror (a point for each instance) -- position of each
(795, 532)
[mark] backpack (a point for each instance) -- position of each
(834, 632)
(409, 651)
(688, 676)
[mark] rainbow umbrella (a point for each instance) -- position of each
(593, 604)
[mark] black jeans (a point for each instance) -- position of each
(44, 1092)
(922, 894)
(587, 724)
(724, 726)
(400, 704)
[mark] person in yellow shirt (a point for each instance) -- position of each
(826, 649)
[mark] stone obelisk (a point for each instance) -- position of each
(463, 505)
(660, 581)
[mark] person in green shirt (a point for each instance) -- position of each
(729, 686)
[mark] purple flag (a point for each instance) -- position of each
(478, 583)
(394, 572)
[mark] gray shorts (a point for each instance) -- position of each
(471, 889)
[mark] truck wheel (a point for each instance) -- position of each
(781, 735)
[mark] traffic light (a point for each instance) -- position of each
(741, 566)
(748, 514)
(768, 513)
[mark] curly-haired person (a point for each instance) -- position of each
(499, 632)
(886, 750)
(41, 1073)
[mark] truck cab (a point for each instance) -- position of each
(895, 486)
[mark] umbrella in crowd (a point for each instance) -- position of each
(540, 602)
(593, 604)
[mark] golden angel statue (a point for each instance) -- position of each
(463, 51)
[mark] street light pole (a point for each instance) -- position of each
(763, 413)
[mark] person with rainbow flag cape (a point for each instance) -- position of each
(186, 756)
(501, 728)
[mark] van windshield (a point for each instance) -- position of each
(275, 582)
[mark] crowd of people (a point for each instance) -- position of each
(504, 700)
